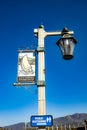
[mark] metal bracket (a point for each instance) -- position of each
(38, 83)
(23, 84)
(40, 49)
(41, 83)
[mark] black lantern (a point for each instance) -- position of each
(66, 44)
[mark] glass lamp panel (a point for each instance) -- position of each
(67, 47)
(61, 45)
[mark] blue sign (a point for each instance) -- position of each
(41, 121)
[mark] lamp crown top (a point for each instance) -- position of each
(41, 26)
(65, 29)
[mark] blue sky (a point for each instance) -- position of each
(66, 81)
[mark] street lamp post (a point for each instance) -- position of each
(41, 70)
(66, 44)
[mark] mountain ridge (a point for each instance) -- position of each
(76, 119)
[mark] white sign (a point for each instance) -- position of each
(26, 66)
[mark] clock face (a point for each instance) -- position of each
(26, 66)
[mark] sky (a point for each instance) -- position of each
(66, 81)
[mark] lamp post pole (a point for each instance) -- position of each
(41, 34)
(41, 73)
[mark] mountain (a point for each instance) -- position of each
(19, 126)
(75, 119)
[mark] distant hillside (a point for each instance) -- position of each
(75, 119)
(19, 126)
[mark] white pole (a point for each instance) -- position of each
(56, 127)
(85, 126)
(25, 126)
(41, 74)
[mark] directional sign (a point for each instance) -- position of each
(41, 121)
